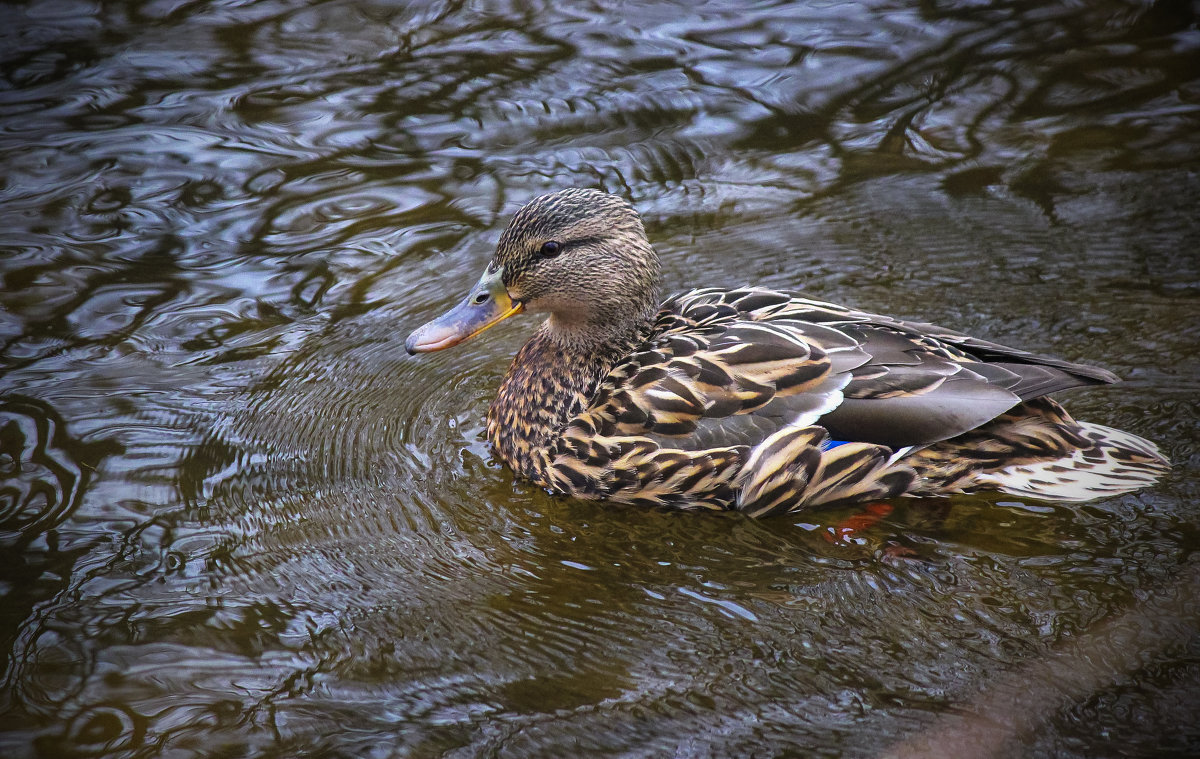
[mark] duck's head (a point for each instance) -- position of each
(581, 256)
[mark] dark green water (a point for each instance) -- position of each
(237, 520)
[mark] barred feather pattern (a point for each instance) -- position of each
(729, 398)
(792, 469)
(1037, 450)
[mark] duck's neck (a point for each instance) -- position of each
(550, 381)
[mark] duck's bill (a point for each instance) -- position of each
(487, 304)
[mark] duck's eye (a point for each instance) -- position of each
(550, 249)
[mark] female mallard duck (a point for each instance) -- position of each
(752, 399)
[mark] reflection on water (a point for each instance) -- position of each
(236, 518)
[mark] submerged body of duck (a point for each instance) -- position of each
(757, 400)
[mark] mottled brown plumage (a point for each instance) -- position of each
(757, 400)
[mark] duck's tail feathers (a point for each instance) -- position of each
(1110, 463)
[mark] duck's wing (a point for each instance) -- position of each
(674, 422)
(709, 377)
(727, 368)
(923, 383)
(759, 304)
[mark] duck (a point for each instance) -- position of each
(752, 399)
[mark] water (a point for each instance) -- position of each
(238, 520)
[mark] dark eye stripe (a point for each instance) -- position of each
(561, 247)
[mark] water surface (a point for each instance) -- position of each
(236, 519)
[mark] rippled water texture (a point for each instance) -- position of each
(236, 519)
